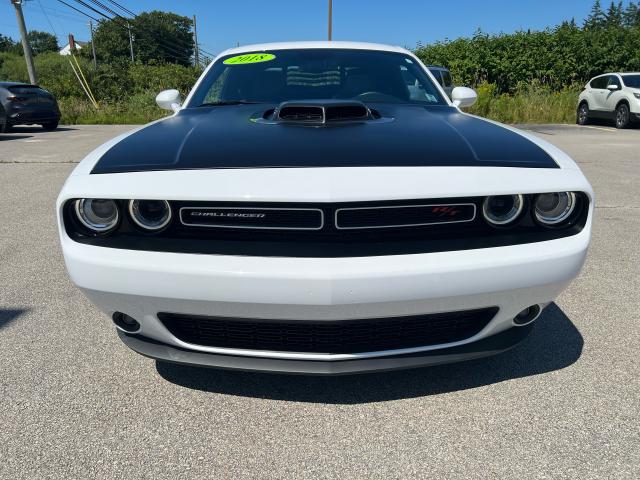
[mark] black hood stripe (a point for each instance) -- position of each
(413, 136)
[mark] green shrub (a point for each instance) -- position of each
(533, 103)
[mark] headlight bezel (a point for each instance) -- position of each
(96, 228)
(515, 216)
(559, 220)
(133, 210)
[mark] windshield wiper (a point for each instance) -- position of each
(226, 102)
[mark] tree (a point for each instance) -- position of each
(614, 15)
(631, 16)
(42, 42)
(596, 18)
(157, 37)
(8, 45)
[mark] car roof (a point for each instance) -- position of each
(617, 73)
(14, 84)
(314, 45)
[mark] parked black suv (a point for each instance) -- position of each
(26, 104)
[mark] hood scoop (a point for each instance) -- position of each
(322, 113)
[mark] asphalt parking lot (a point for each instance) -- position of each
(76, 404)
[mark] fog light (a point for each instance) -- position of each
(125, 322)
(527, 315)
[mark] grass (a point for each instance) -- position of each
(138, 109)
(531, 104)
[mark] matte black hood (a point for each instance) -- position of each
(408, 135)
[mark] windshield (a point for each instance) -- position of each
(632, 81)
(314, 74)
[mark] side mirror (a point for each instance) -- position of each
(612, 87)
(463, 96)
(169, 100)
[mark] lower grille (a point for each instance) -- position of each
(343, 336)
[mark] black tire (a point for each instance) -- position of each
(582, 115)
(623, 116)
(50, 125)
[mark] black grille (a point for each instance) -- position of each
(255, 218)
(401, 216)
(301, 114)
(344, 336)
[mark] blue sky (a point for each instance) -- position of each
(224, 23)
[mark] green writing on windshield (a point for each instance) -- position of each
(249, 58)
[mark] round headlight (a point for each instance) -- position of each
(502, 209)
(554, 208)
(150, 214)
(97, 214)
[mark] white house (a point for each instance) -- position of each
(66, 50)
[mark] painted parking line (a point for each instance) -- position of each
(604, 129)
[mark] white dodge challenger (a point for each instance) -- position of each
(323, 208)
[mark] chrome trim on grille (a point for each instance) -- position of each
(406, 206)
(253, 209)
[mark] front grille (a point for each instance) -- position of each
(343, 336)
(253, 218)
(404, 216)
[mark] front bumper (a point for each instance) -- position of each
(142, 284)
(489, 346)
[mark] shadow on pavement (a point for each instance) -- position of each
(554, 343)
(9, 315)
(36, 129)
(10, 136)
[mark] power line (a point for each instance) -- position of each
(170, 51)
(77, 10)
(126, 10)
(48, 19)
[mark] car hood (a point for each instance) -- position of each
(406, 135)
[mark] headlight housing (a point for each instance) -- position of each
(554, 208)
(96, 214)
(150, 215)
(637, 95)
(502, 210)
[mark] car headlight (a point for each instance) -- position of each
(151, 215)
(554, 208)
(502, 209)
(637, 95)
(98, 215)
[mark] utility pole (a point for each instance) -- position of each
(33, 78)
(130, 41)
(93, 45)
(196, 52)
(330, 17)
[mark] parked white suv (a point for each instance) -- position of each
(613, 96)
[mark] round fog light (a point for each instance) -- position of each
(502, 209)
(152, 215)
(554, 208)
(125, 322)
(98, 215)
(527, 315)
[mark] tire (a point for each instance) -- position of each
(582, 115)
(623, 116)
(50, 125)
